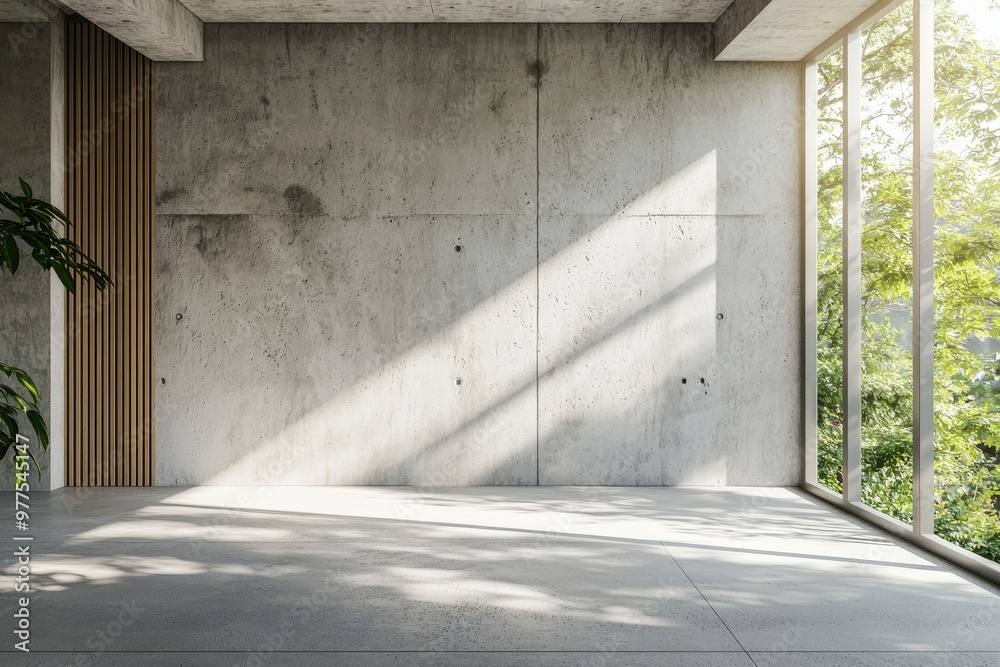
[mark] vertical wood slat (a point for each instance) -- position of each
(133, 386)
(110, 199)
(102, 215)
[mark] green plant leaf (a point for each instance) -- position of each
(9, 422)
(64, 277)
(38, 225)
(12, 254)
(38, 423)
(13, 396)
(28, 384)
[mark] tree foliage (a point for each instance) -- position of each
(966, 281)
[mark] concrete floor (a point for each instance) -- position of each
(693, 577)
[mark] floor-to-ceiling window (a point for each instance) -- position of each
(886, 197)
(830, 271)
(903, 261)
(967, 274)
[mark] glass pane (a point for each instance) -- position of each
(887, 264)
(966, 285)
(829, 263)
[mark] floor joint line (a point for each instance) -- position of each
(714, 611)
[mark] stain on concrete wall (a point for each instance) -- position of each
(24, 152)
(470, 254)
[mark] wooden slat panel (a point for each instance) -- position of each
(133, 264)
(111, 201)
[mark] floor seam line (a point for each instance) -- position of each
(364, 651)
(714, 611)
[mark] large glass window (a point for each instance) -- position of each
(889, 121)
(966, 281)
(887, 264)
(829, 265)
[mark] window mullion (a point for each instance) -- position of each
(809, 291)
(852, 267)
(923, 266)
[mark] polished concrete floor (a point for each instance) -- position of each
(692, 577)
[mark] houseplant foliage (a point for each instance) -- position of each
(29, 224)
(966, 281)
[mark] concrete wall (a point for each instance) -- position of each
(25, 76)
(470, 254)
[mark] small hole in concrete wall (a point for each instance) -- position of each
(684, 380)
(458, 381)
(163, 380)
(719, 316)
(702, 380)
(179, 317)
(458, 248)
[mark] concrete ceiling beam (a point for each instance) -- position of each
(783, 30)
(457, 11)
(162, 30)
